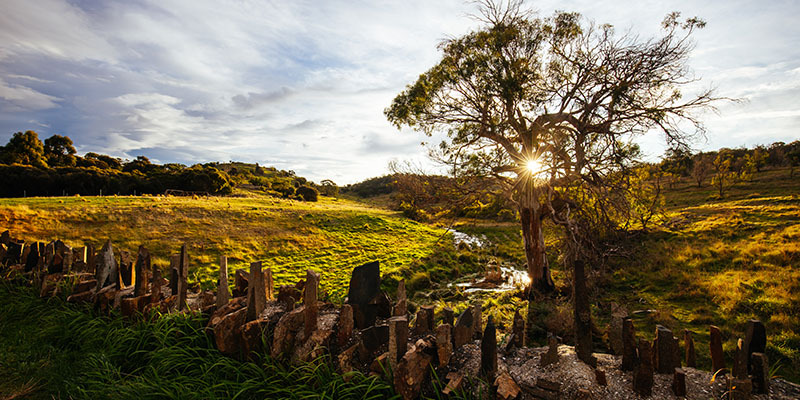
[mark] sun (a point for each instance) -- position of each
(533, 166)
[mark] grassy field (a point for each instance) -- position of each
(331, 236)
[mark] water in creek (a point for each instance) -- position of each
(498, 278)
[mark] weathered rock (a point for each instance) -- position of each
(551, 356)
(380, 365)
(600, 377)
(364, 286)
(755, 340)
(463, 331)
(126, 270)
(289, 325)
(81, 297)
(679, 382)
(236, 304)
(444, 343)
(32, 259)
(310, 303)
(665, 351)
(447, 316)
(142, 271)
(643, 374)
(489, 351)
(454, 382)
(412, 369)
(629, 352)
(740, 389)
(222, 285)
(715, 343)
(174, 273)
(345, 326)
(5, 238)
(240, 283)
(545, 389)
(582, 315)
(424, 321)
(547, 384)
(690, 354)
(506, 387)
(104, 299)
(131, 306)
(66, 254)
(615, 328)
(155, 285)
(49, 254)
(760, 373)
(310, 348)
(227, 332)
(398, 339)
(518, 331)
(288, 295)
(252, 336)
(382, 305)
(91, 259)
(107, 271)
(256, 301)
(374, 337)
(347, 359)
(401, 307)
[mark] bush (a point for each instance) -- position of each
(307, 193)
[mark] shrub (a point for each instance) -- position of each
(307, 193)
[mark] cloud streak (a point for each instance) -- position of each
(302, 85)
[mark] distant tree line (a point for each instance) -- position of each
(30, 167)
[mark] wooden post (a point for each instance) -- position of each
(141, 272)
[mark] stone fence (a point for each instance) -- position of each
(371, 332)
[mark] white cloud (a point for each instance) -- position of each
(303, 84)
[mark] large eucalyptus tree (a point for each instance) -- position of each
(548, 104)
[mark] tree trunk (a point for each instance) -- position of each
(538, 269)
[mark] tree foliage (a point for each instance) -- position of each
(560, 92)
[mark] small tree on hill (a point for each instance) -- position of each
(701, 167)
(724, 176)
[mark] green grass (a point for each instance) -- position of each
(331, 237)
(52, 349)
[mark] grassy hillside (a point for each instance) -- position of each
(331, 236)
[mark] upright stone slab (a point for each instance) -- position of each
(5, 237)
(665, 349)
(32, 260)
(346, 325)
(477, 320)
(398, 339)
(142, 272)
(49, 255)
(222, 286)
(107, 271)
(463, 331)
(91, 256)
(715, 343)
(310, 302)
(365, 284)
(184, 275)
(755, 340)
(241, 282)
(489, 350)
(155, 285)
(256, 300)
(444, 343)
(643, 374)
(269, 284)
(679, 382)
(688, 343)
(448, 317)
(174, 273)
(67, 259)
(740, 361)
(615, 341)
(126, 277)
(760, 373)
(518, 331)
(400, 308)
(551, 356)
(424, 322)
(582, 315)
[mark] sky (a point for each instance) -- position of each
(302, 85)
